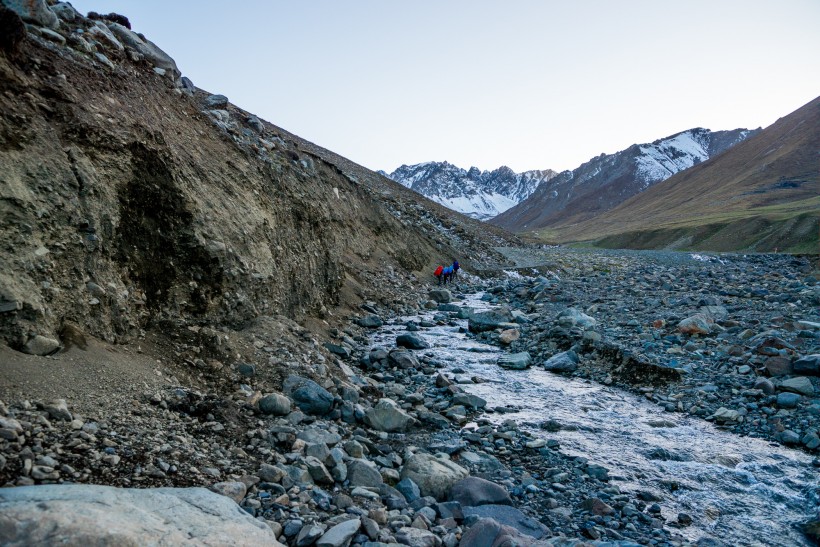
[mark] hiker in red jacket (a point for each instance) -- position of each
(438, 273)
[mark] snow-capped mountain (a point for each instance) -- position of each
(609, 179)
(479, 194)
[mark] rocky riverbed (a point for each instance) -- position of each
(378, 439)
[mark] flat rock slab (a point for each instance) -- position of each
(508, 516)
(103, 515)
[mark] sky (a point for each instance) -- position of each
(531, 84)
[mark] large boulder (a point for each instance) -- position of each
(474, 491)
(411, 341)
(490, 320)
(34, 11)
(403, 359)
(146, 48)
(387, 416)
(800, 384)
(361, 472)
(566, 361)
(515, 361)
(434, 476)
(74, 514)
(310, 397)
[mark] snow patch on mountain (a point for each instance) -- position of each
(479, 194)
(662, 159)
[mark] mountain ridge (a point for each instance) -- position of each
(606, 180)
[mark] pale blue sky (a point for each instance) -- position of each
(524, 83)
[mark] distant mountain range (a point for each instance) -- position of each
(475, 193)
(761, 195)
(609, 179)
(535, 199)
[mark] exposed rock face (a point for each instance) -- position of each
(96, 515)
(134, 199)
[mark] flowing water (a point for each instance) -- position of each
(740, 490)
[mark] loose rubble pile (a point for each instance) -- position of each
(731, 339)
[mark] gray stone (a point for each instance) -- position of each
(472, 491)
(58, 410)
(566, 361)
(387, 416)
(409, 489)
(318, 435)
(310, 397)
(275, 404)
(509, 516)
(788, 400)
(216, 101)
(515, 361)
(232, 489)
(468, 400)
(340, 535)
(801, 385)
(72, 514)
(724, 414)
(318, 471)
(696, 324)
(573, 317)
(411, 341)
(417, 537)
(441, 296)
(270, 473)
(361, 472)
(490, 320)
(404, 359)
(309, 534)
(765, 385)
(487, 532)
(810, 364)
(146, 48)
(788, 437)
(34, 11)
(246, 369)
(65, 11)
(371, 321)
(41, 345)
(434, 476)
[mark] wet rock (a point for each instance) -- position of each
(566, 361)
(103, 515)
(310, 397)
(724, 414)
(387, 416)
(801, 385)
(515, 361)
(788, 437)
(470, 401)
(472, 491)
(404, 359)
(41, 345)
(490, 320)
(275, 404)
(434, 476)
(411, 341)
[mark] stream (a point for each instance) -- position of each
(741, 490)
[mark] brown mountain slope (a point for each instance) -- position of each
(760, 195)
(128, 204)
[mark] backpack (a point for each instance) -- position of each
(438, 271)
